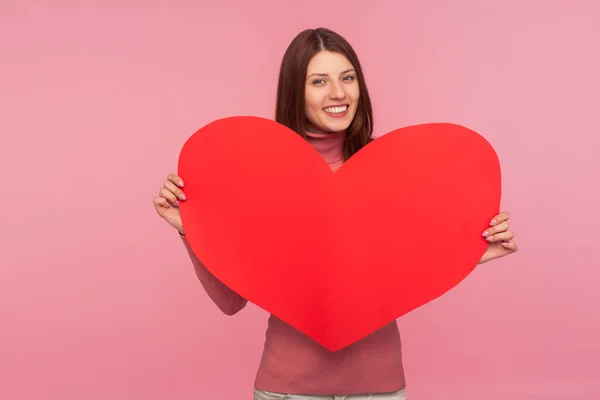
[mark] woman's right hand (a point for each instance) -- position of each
(167, 201)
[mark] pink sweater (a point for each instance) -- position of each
(292, 362)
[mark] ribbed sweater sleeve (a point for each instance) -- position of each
(226, 299)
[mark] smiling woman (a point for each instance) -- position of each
(322, 90)
(323, 97)
(331, 96)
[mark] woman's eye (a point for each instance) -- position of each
(349, 78)
(317, 81)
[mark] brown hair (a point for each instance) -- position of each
(290, 107)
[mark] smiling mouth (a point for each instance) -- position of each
(336, 111)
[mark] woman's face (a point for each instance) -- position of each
(331, 94)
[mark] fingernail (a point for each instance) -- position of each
(485, 233)
(180, 183)
(182, 196)
(176, 203)
(490, 238)
(493, 222)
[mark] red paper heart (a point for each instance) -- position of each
(338, 255)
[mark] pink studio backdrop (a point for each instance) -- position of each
(98, 299)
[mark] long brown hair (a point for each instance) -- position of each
(290, 108)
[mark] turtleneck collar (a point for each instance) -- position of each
(330, 146)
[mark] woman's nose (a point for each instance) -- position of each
(337, 91)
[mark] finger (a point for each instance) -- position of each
(175, 179)
(161, 202)
(501, 237)
(502, 227)
(169, 196)
(512, 246)
(174, 189)
(503, 216)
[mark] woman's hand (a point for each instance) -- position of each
(500, 238)
(167, 201)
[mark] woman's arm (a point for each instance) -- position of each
(226, 299)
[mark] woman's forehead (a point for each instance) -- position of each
(330, 63)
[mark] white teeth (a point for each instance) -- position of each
(336, 110)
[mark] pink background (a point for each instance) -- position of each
(98, 299)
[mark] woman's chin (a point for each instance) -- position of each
(337, 126)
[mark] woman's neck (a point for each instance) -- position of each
(330, 146)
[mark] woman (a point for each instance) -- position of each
(323, 97)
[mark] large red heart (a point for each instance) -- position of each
(338, 255)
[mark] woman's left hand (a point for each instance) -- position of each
(500, 238)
